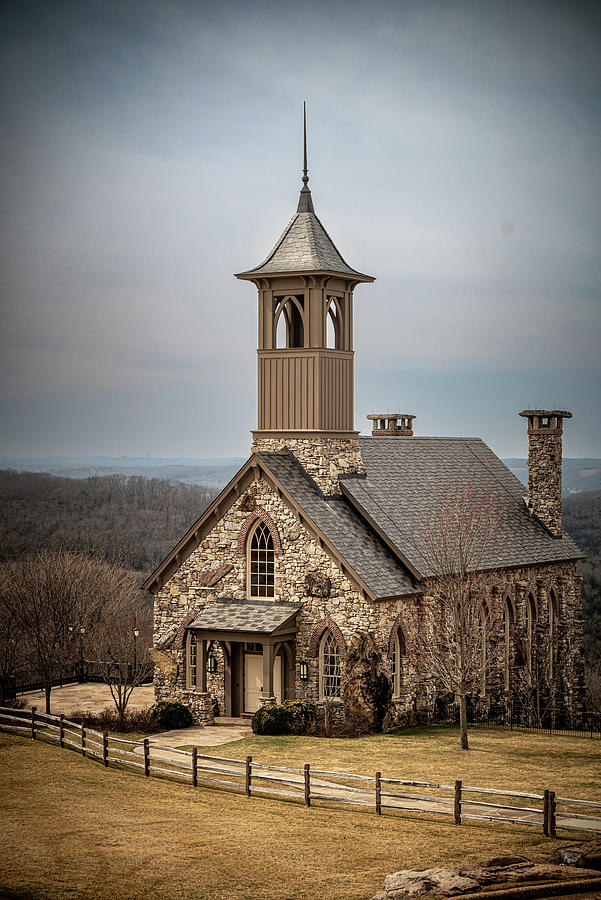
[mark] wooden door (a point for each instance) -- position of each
(253, 681)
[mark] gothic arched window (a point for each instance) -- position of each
(552, 605)
(397, 662)
(289, 321)
(482, 626)
(334, 324)
(261, 562)
(530, 634)
(330, 668)
(191, 679)
(507, 644)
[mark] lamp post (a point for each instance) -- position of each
(136, 636)
(82, 631)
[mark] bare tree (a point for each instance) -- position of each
(455, 644)
(10, 633)
(122, 638)
(52, 595)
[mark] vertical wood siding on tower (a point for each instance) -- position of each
(306, 389)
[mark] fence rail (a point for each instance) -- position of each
(308, 785)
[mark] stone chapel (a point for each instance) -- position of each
(312, 540)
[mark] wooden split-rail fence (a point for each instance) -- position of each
(457, 801)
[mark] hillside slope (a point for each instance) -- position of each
(132, 522)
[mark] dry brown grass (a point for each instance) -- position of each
(74, 829)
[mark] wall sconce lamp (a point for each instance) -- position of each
(211, 664)
(303, 670)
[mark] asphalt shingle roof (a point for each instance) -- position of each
(407, 478)
(304, 246)
(227, 615)
(351, 535)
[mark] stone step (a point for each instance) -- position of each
(230, 720)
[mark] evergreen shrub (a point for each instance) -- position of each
(289, 717)
(168, 715)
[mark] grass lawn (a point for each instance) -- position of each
(74, 829)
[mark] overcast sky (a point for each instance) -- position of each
(151, 148)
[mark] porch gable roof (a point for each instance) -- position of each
(256, 616)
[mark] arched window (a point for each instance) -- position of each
(552, 603)
(330, 668)
(289, 314)
(333, 324)
(507, 644)
(191, 679)
(482, 627)
(261, 562)
(530, 623)
(397, 662)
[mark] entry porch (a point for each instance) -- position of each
(258, 643)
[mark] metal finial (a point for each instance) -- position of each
(305, 176)
(305, 203)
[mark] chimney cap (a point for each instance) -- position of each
(397, 424)
(557, 413)
(390, 416)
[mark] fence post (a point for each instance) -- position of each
(247, 774)
(457, 805)
(83, 740)
(33, 735)
(546, 812)
(378, 794)
(146, 758)
(105, 749)
(307, 784)
(194, 767)
(552, 814)
(61, 730)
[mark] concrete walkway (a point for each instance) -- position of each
(200, 736)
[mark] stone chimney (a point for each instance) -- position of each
(393, 424)
(545, 427)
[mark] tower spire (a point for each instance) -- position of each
(305, 201)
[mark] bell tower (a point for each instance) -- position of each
(305, 352)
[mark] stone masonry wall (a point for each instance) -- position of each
(323, 458)
(349, 610)
(544, 478)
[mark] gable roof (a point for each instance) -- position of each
(408, 478)
(304, 246)
(341, 531)
(361, 548)
(250, 615)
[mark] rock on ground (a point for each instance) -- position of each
(410, 883)
(587, 855)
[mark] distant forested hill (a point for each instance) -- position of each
(582, 519)
(132, 522)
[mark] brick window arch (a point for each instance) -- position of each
(326, 624)
(249, 522)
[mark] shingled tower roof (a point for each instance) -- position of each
(304, 246)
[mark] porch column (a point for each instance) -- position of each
(201, 666)
(268, 671)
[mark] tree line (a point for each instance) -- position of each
(132, 522)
